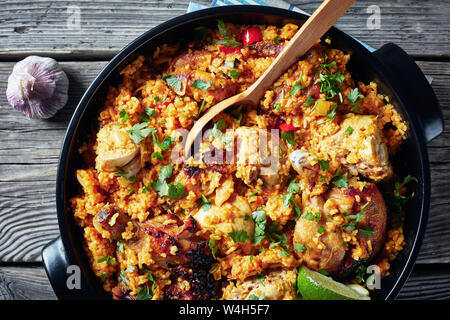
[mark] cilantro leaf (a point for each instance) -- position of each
(139, 131)
(354, 95)
(254, 297)
(157, 155)
(300, 247)
(124, 115)
(172, 81)
(288, 136)
(259, 218)
(222, 28)
(174, 191)
(366, 233)
(199, 84)
(239, 236)
(144, 293)
(107, 259)
(330, 83)
(309, 101)
(213, 247)
(338, 180)
(348, 131)
(324, 164)
(276, 40)
(234, 74)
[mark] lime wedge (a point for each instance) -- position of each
(315, 286)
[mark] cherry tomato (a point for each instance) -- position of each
(252, 35)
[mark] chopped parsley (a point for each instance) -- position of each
(321, 229)
(338, 180)
(324, 164)
(217, 133)
(288, 136)
(353, 96)
(201, 107)
(229, 40)
(239, 236)
(174, 191)
(139, 131)
(157, 155)
(123, 276)
(234, 74)
(358, 217)
(399, 200)
(293, 188)
(330, 83)
(264, 230)
(254, 297)
(348, 131)
(300, 247)
(312, 216)
(331, 114)
(124, 115)
(261, 279)
(361, 273)
(202, 85)
(366, 233)
(172, 81)
(107, 259)
(213, 247)
(297, 86)
(309, 101)
(125, 175)
(144, 293)
(205, 203)
(259, 218)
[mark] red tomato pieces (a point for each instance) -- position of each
(287, 127)
(252, 35)
(228, 50)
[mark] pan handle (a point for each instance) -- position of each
(412, 80)
(66, 279)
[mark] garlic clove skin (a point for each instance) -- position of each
(38, 87)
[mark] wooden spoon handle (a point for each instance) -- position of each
(311, 31)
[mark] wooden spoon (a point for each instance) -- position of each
(311, 31)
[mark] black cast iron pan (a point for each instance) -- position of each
(390, 67)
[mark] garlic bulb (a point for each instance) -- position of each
(38, 87)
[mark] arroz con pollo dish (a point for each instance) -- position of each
(239, 228)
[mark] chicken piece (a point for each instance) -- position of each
(229, 217)
(342, 228)
(276, 285)
(361, 151)
(171, 244)
(224, 191)
(110, 222)
(115, 149)
(258, 155)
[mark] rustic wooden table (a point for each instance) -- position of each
(29, 149)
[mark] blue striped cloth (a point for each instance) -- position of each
(193, 6)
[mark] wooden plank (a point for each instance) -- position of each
(25, 283)
(29, 154)
(427, 282)
(432, 282)
(41, 27)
